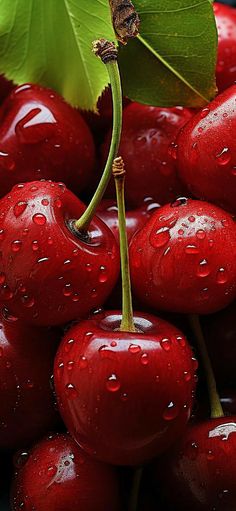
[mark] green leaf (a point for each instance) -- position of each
(173, 61)
(49, 42)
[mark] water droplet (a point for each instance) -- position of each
(1, 234)
(88, 267)
(224, 156)
(166, 344)
(113, 383)
(2, 278)
(181, 341)
(75, 297)
(144, 359)
(134, 348)
(68, 345)
(203, 268)
(106, 352)
(210, 455)
(19, 208)
(195, 363)
(191, 218)
(191, 249)
(16, 245)
(170, 412)
(204, 112)
(160, 237)
(71, 391)
(67, 290)
(187, 376)
(39, 219)
(201, 234)
(70, 364)
(58, 203)
(28, 301)
(43, 260)
(52, 470)
(83, 362)
(103, 274)
(45, 202)
(7, 294)
(35, 245)
(222, 276)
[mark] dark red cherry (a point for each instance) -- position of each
(125, 397)
(200, 473)
(26, 366)
(41, 136)
(207, 152)
(183, 260)
(135, 219)
(6, 87)
(225, 17)
(148, 149)
(49, 275)
(57, 475)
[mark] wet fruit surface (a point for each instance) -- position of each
(125, 397)
(226, 27)
(57, 475)
(48, 275)
(183, 260)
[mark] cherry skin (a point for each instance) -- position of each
(43, 137)
(58, 476)
(183, 260)
(135, 219)
(6, 87)
(149, 157)
(26, 366)
(206, 152)
(49, 275)
(200, 474)
(125, 397)
(225, 17)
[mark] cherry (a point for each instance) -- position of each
(200, 473)
(135, 219)
(43, 137)
(206, 152)
(225, 18)
(48, 274)
(124, 396)
(26, 363)
(57, 475)
(183, 260)
(147, 135)
(6, 87)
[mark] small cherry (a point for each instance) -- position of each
(206, 152)
(53, 268)
(148, 149)
(225, 17)
(135, 218)
(43, 137)
(124, 383)
(57, 475)
(26, 366)
(183, 260)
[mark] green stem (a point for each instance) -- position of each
(83, 223)
(215, 404)
(127, 323)
(133, 503)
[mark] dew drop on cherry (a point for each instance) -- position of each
(19, 208)
(170, 412)
(39, 219)
(113, 383)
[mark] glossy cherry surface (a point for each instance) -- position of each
(43, 137)
(200, 474)
(183, 260)
(26, 367)
(225, 17)
(56, 475)
(125, 397)
(206, 152)
(48, 274)
(147, 147)
(135, 218)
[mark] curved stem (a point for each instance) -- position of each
(216, 408)
(127, 323)
(133, 503)
(83, 223)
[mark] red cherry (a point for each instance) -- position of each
(58, 475)
(200, 474)
(207, 152)
(225, 17)
(135, 219)
(125, 397)
(48, 275)
(6, 87)
(148, 149)
(183, 260)
(26, 365)
(43, 137)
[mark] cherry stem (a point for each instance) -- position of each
(133, 503)
(108, 53)
(215, 404)
(127, 322)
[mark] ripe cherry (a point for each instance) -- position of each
(6, 87)
(206, 152)
(148, 149)
(124, 396)
(49, 275)
(43, 137)
(183, 260)
(225, 17)
(26, 366)
(200, 473)
(57, 475)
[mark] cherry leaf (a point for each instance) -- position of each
(50, 41)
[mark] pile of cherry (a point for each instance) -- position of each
(127, 399)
